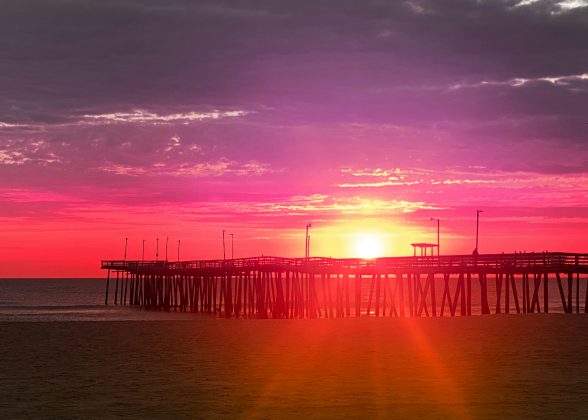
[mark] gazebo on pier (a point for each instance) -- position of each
(423, 248)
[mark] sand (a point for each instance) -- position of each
(479, 367)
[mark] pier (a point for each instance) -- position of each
(274, 287)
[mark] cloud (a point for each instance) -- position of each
(350, 206)
(564, 5)
(9, 125)
(572, 4)
(220, 168)
(377, 172)
(377, 184)
(564, 81)
(122, 169)
(295, 91)
(174, 142)
(463, 181)
(146, 117)
(212, 169)
(318, 206)
(23, 151)
(371, 178)
(459, 186)
(136, 117)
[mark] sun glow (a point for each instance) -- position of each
(368, 247)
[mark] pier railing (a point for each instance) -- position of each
(548, 261)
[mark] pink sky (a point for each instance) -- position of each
(366, 119)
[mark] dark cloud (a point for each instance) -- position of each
(325, 83)
(80, 54)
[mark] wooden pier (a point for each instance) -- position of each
(273, 287)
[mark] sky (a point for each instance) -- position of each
(180, 119)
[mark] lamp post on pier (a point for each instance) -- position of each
(166, 241)
(157, 249)
(143, 252)
(438, 236)
(307, 240)
(232, 246)
(178, 250)
(476, 252)
(224, 250)
(126, 244)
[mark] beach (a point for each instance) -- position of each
(530, 366)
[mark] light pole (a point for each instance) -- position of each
(126, 243)
(178, 250)
(477, 229)
(157, 249)
(438, 236)
(166, 241)
(224, 251)
(232, 246)
(307, 250)
(143, 253)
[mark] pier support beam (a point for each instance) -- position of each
(107, 285)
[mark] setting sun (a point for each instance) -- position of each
(368, 247)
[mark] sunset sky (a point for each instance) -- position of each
(146, 119)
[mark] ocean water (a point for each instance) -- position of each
(83, 300)
(69, 300)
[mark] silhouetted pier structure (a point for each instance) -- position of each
(273, 287)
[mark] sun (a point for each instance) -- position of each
(368, 247)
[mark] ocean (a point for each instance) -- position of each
(69, 300)
(83, 300)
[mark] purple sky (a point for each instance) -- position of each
(178, 118)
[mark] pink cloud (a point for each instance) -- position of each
(146, 117)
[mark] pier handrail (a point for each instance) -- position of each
(531, 260)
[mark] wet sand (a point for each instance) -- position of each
(532, 366)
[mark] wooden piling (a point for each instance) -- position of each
(107, 285)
